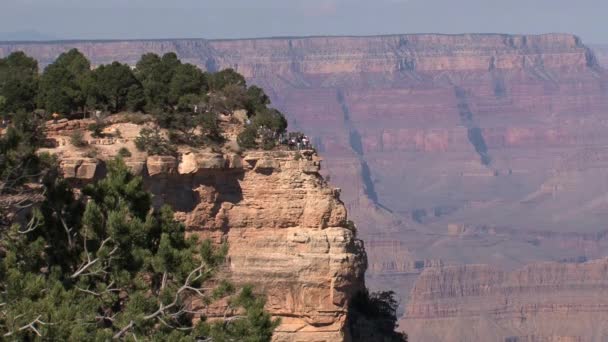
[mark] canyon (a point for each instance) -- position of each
(467, 162)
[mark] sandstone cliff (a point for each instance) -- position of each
(543, 302)
(285, 226)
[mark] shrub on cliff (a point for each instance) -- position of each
(77, 139)
(97, 127)
(109, 266)
(152, 142)
(256, 100)
(247, 138)
(210, 127)
(271, 119)
(373, 317)
(19, 162)
(124, 152)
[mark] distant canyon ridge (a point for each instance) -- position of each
(476, 166)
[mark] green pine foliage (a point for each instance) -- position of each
(373, 317)
(116, 87)
(97, 127)
(18, 83)
(19, 162)
(124, 152)
(108, 265)
(152, 142)
(65, 84)
(77, 139)
(180, 96)
(247, 139)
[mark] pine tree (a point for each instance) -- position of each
(18, 83)
(108, 265)
(65, 83)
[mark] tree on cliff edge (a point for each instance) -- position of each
(18, 83)
(373, 317)
(64, 84)
(111, 266)
(116, 87)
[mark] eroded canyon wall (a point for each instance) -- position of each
(449, 149)
(540, 302)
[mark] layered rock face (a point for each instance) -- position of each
(286, 228)
(461, 149)
(542, 302)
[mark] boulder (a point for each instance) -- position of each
(157, 165)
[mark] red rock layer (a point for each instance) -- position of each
(543, 302)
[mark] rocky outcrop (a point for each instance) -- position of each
(286, 228)
(541, 302)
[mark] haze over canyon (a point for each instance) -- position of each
(475, 166)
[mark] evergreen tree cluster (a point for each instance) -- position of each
(107, 266)
(19, 162)
(104, 264)
(180, 96)
(373, 317)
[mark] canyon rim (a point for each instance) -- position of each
(452, 151)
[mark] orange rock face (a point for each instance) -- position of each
(286, 233)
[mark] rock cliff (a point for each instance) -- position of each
(542, 302)
(285, 226)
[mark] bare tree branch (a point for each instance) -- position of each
(31, 326)
(123, 330)
(32, 225)
(94, 261)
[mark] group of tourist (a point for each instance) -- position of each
(295, 141)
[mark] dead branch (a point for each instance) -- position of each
(94, 261)
(123, 330)
(31, 326)
(32, 225)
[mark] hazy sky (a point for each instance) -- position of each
(114, 19)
